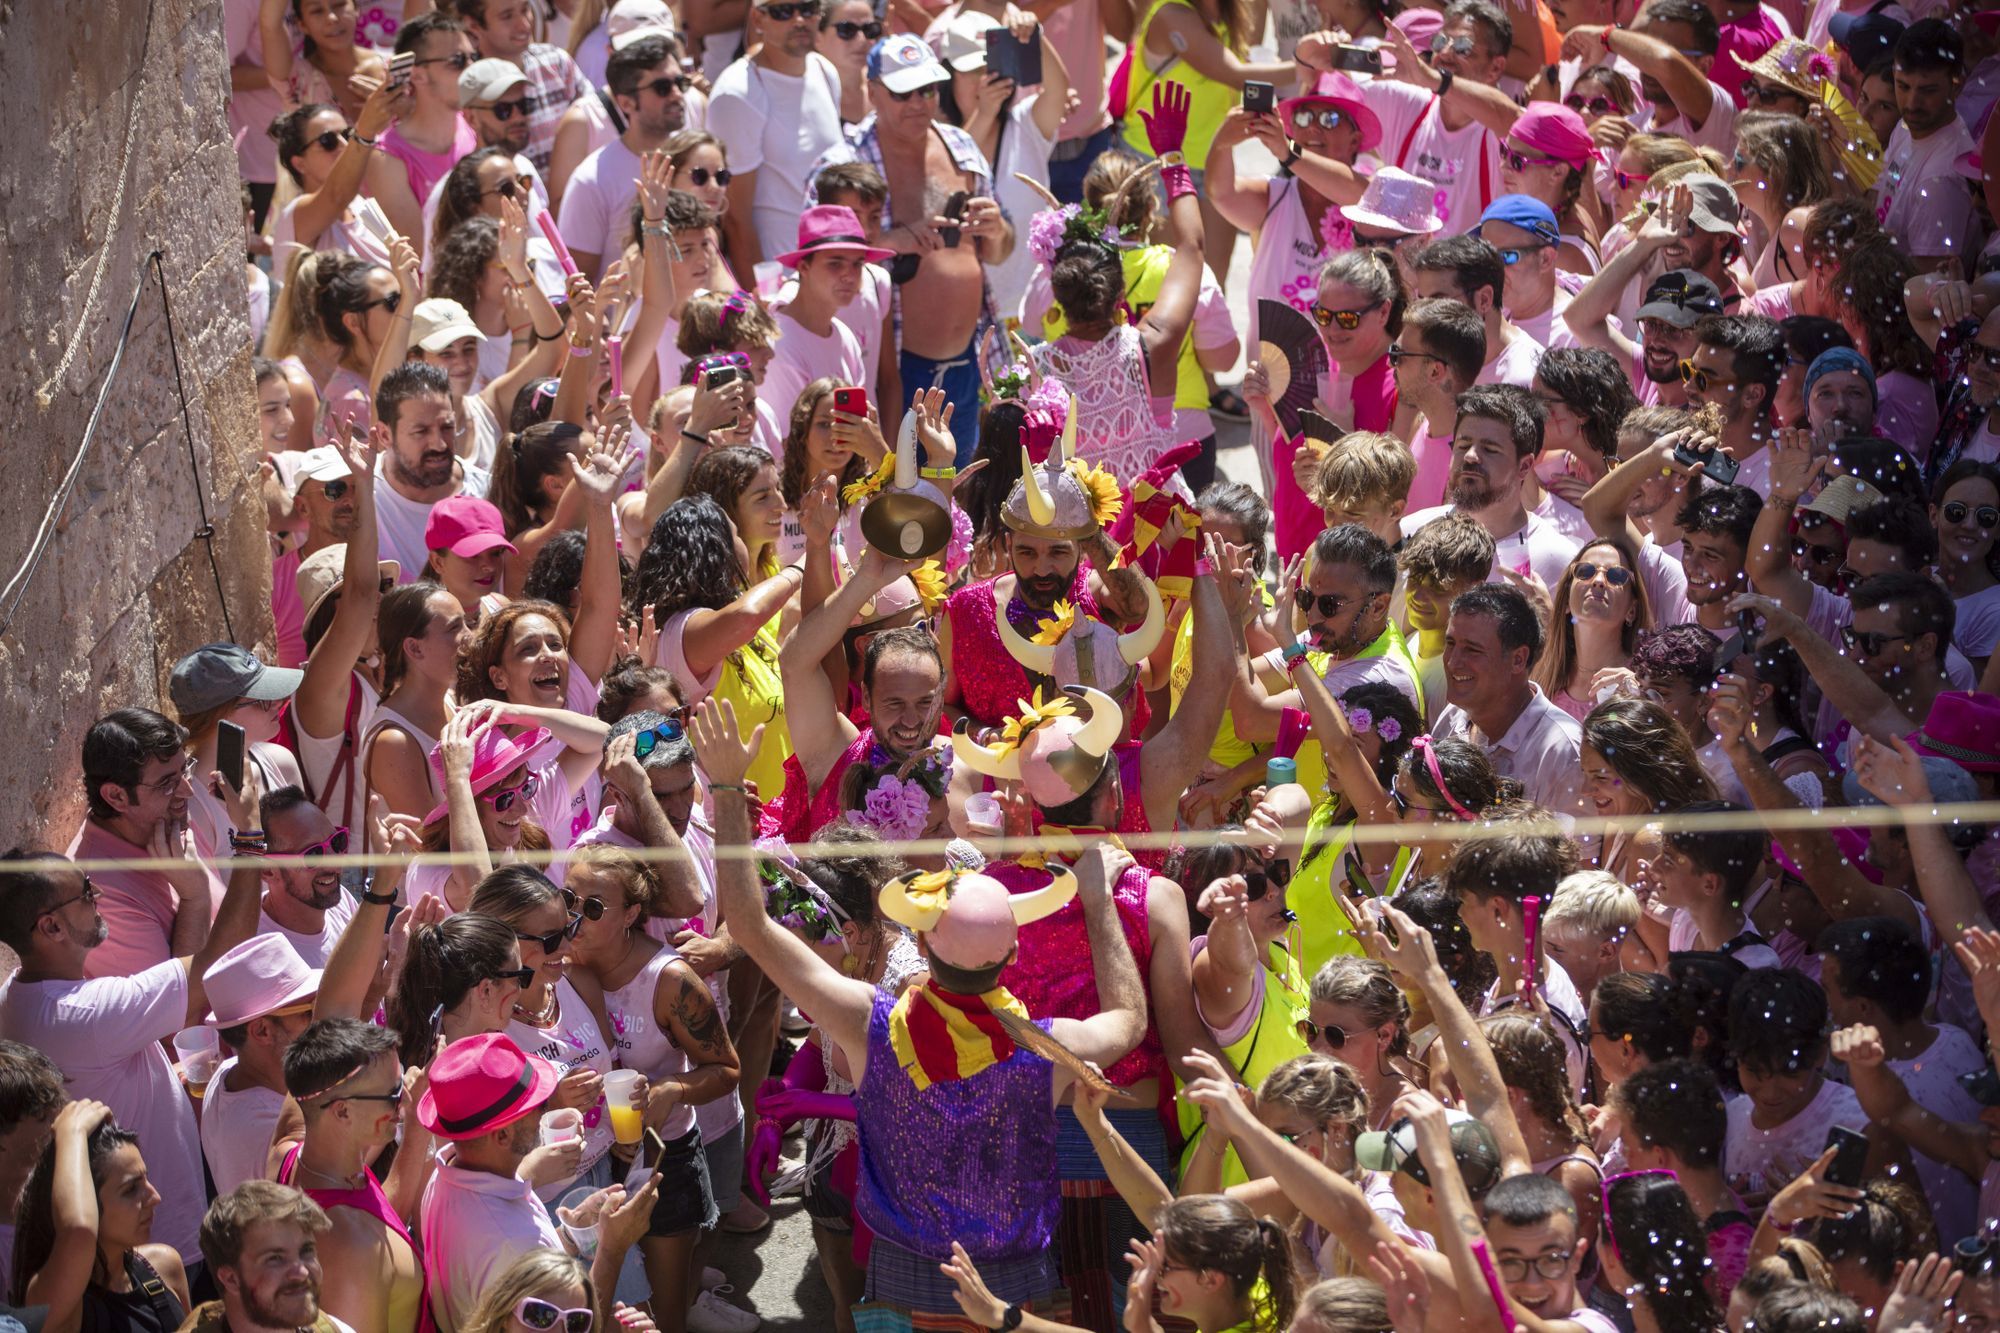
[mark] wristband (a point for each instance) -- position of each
(251, 840)
(728, 786)
(1605, 37)
(1203, 567)
(1178, 180)
(938, 473)
(374, 899)
(1293, 653)
(361, 139)
(651, 228)
(541, 337)
(698, 439)
(1290, 159)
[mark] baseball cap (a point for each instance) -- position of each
(1840, 497)
(1715, 207)
(320, 463)
(438, 322)
(903, 64)
(1866, 38)
(961, 43)
(631, 20)
(488, 80)
(1395, 1149)
(1681, 297)
(219, 673)
(466, 526)
(1524, 211)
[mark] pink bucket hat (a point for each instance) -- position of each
(832, 227)
(1335, 87)
(1552, 129)
(259, 976)
(494, 756)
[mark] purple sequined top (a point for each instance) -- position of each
(971, 1160)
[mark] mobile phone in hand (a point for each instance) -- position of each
(1717, 466)
(954, 208)
(400, 68)
(1008, 57)
(1358, 59)
(721, 375)
(852, 401)
(229, 753)
(1851, 1161)
(1259, 97)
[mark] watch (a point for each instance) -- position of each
(375, 899)
(1444, 83)
(1174, 159)
(1010, 1320)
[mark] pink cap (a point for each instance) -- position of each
(465, 527)
(1553, 129)
(259, 976)
(977, 929)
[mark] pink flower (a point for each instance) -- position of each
(1046, 230)
(899, 811)
(1388, 728)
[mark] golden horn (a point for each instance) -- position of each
(1107, 721)
(1137, 645)
(1039, 658)
(1041, 509)
(981, 759)
(1045, 901)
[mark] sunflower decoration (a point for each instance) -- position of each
(1107, 501)
(932, 583)
(1056, 626)
(872, 484)
(1033, 715)
(929, 892)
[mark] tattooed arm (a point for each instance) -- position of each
(685, 1010)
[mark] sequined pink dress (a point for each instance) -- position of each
(990, 682)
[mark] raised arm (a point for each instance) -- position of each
(1768, 561)
(593, 640)
(1241, 200)
(681, 892)
(820, 729)
(64, 1277)
(1858, 699)
(1482, 101)
(321, 702)
(1171, 759)
(1692, 94)
(1120, 1021)
(456, 744)
(1189, 36)
(1887, 1100)
(355, 964)
(710, 636)
(1589, 312)
(1165, 326)
(1130, 1174)
(316, 210)
(1894, 774)
(1604, 504)
(1225, 972)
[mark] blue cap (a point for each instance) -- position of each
(1523, 211)
(1835, 359)
(904, 63)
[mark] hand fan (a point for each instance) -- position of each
(1294, 358)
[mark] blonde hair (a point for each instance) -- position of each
(1592, 904)
(1320, 1088)
(1362, 468)
(636, 879)
(1366, 985)
(294, 319)
(536, 1273)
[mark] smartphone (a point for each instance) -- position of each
(1008, 57)
(614, 347)
(229, 753)
(1852, 1159)
(1983, 1085)
(1717, 466)
(400, 67)
(651, 1149)
(954, 208)
(1259, 97)
(721, 375)
(852, 401)
(1358, 59)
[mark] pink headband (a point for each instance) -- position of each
(1428, 748)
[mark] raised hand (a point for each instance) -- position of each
(513, 236)
(980, 1305)
(1794, 469)
(1892, 772)
(1148, 1258)
(1223, 901)
(723, 755)
(409, 271)
(1978, 952)
(1859, 1046)
(656, 182)
(1812, 1195)
(934, 427)
(1924, 1288)
(1166, 125)
(600, 474)
(584, 310)
(1729, 711)
(359, 447)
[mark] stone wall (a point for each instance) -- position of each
(116, 144)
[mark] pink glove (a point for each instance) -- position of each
(1166, 127)
(766, 1152)
(793, 1105)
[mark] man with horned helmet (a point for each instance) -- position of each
(1061, 751)
(957, 1121)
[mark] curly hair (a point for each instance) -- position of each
(854, 875)
(1592, 385)
(1649, 752)
(1320, 1088)
(523, 464)
(1531, 1060)
(1088, 281)
(1553, 671)
(1870, 279)
(461, 200)
(710, 323)
(461, 259)
(689, 561)
(489, 645)
(1676, 652)
(792, 478)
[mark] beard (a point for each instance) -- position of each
(294, 1306)
(311, 896)
(433, 468)
(1042, 592)
(1471, 490)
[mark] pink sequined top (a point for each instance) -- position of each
(1052, 974)
(1132, 807)
(800, 813)
(990, 682)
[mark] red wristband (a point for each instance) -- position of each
(1605, 37)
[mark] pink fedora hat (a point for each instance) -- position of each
(1337, 89)
(494, 756)
(832, 227)
(259, 976)
(1963, 727)
(481, 1084)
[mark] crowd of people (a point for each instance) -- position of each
(734, 739)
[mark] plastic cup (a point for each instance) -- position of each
(578, 1212)
(983, 815)
(621, 1098)
(200, 1052)
(562, 1126)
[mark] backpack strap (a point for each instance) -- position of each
(343, 764)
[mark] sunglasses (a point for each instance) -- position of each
(785, 13)
(336, 488)
(1257, 883)
(1326, 117)
(458, 60)
(507, 189)
(1512, 255)
(545, 1315)
(1870, 642)
(1770, 94)
(552, 940)
(591, 909)
(928, 92)
(1615, 575)
(394, 1099)
(1818, 555)
(1695, 377)
(702, 175)
(1346, 319)
(506, 111)
(1627, 179)
(1327, 606)
(1399, 354)
(388, 303)
(645, 742)
(1363, 239)
(333, 846)
(668, 84)
(523, 977)
(1334, 1037)
(1458, 46)
(1596, 106)
(91, 893)
(847, 32)
(503, 800)
(331, 140)
(1521, 161)
(1986, 516)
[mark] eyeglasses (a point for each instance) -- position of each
(1627, 179)
(1512, 254)
(552, 940)
(520, 976)
(1399, 354)
(458, 60)
(928, 92)
(1596, 106)
(1869, 642)
(545, 1315)
(1986, 516)
(1818, 555)
(1363, 239)
(91, 893)
(668, 84)
(1458, 46)
(847, 32)
(1521, 161)
(1615, 575)
(333, 846)
(503, 799)
(506, 111)
(336, 488)
(331, 140)
(1549, 1266)
(1257, 883)
(1406, 806)
(1326, 117)
(507, 189)
(1694, 377)
(702, 175)
(799, 9)
(649, 740)
(1770, 94)
(591, 909)
(1347, 319)
(1334, 1037)
(1327, 606)
(388, 303)
(165, 786)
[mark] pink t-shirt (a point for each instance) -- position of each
(1433, 454)
(424, 169)
(288, 613)
(1761, 1161)
(138, 906)
(1748, 38)
(1464, 164)
(1718, 131)
(802, 356)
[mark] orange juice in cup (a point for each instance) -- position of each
(621, 1098)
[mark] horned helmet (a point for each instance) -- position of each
(1071, 648)
(1050, 748)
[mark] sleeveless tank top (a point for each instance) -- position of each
(1271, 1039)
(990, 682)
(1289, 255)
(1132, 805)
(572, 1042)
(369, 1201)
(1210, 100)
(803, 812)
(386, 717)
(1052, 972)
(971, 1159)
(1117, 423)
(150, 1307)
(643, 1044)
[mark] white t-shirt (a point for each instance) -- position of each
(1515, 364)
(1023, 148)
(1464, 164)
(802, 356)
(399, 521)
(314, 949)
(1684, 935)
(596, 212)
(1932, 1079)
(1760, 1161)
(1560, 994)
(236, 1129)
(1717, 132)
(776, 125)
(105, 1036)
(1538, 545)
(1977, 628)
(1920, 198)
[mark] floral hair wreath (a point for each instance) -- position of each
(1052, 229)
(1363, 721)
(791, 898)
